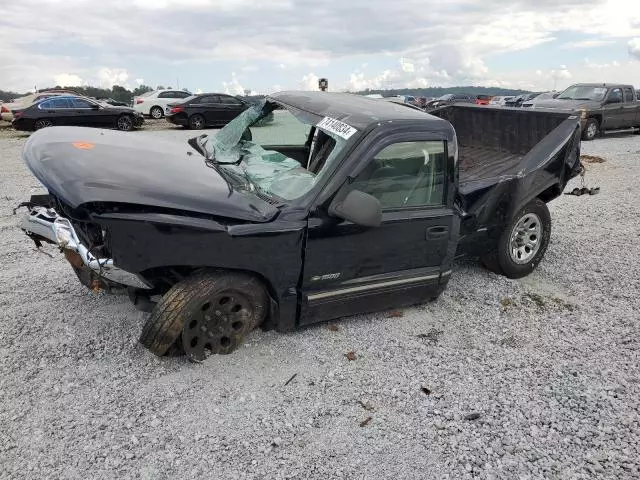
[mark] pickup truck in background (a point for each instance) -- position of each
(602, 106)
(365, 211)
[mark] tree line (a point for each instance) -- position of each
(117, 92)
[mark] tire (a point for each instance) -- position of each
(156, 112)
(196, 122)
(42, 123)
(124, 123)
(207, 313)
(591, 129)
(523, 242)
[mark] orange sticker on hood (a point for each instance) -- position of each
(83, 145)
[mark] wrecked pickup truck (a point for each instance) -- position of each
(365, 209)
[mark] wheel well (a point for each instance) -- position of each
(163, 278)
(598, 118)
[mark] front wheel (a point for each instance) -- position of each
(206, 313)
(523, 242)
(591, 129)
(124, 123)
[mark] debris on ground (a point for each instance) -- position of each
(333, 327)
(351, 356)
(591, 159)
(366, 421)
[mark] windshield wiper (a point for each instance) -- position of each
(565, 98)
(582, 98)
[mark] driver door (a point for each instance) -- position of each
(613, 113)
(352, 269)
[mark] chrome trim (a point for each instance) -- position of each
(447, 273)
(371, 286)
(46, 223)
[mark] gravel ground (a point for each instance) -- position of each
(531, 378)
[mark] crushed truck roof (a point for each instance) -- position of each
(356, 110)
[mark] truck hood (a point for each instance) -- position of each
(555, 104)
(82, 165)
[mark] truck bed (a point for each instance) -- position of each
(478, 162)
(507, 157)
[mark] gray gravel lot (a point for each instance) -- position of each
(531, 378)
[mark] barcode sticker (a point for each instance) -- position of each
(336, 127)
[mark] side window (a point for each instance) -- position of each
(406, 174)
(166, 95)
(46, 105)
(227, 100)
(59, 103)
(209, 99)
(81, 103)
(182, 94)
(628, 95)
(615, 96)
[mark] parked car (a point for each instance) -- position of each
(499, 100)
(220, 234)
(72, 110)
(205, 110)
(154, 103)
(450, 99)
(541, 96)
(519, 99)
(601, 106)
(26, 100)
(483, 99)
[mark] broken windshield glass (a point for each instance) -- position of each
(286, 174)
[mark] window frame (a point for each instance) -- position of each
(627, 95)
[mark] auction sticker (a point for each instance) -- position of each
(337, 127)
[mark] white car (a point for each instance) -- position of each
(154, 103)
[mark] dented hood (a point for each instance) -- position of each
(84, 165)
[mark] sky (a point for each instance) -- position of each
(265, 46)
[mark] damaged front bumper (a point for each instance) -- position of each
(45, 224)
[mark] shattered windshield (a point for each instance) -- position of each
(278, 160)
(583, 93)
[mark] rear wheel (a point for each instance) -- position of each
(124, 123)
(523, 242)
(591, 129)
(156, 112)
(196, 122)
(207, 313)
(42, 123)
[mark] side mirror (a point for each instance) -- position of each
(358, 207)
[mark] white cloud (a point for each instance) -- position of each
(309, 82)
(140, 81)
(68, 80)
(406, 65)
(108, 77)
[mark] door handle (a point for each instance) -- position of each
(437, 232)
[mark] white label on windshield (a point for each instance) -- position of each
(337, 127)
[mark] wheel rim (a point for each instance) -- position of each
(592, 129)
(218, 326)
(196, 122)
(526, 238)
(43, 124)
(156, 112)
(125, 123)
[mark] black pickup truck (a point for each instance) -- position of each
(365, 210)
(601, 106)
